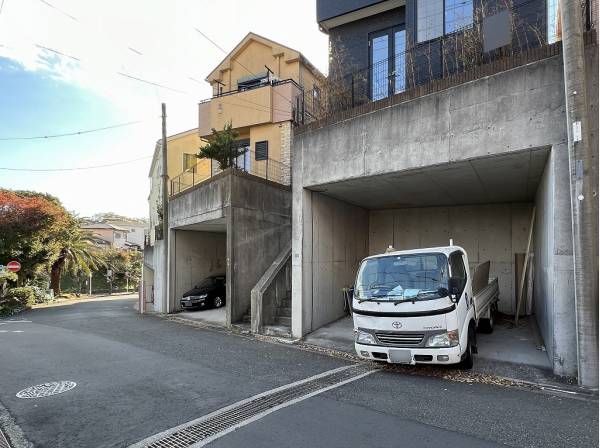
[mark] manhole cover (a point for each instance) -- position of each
(46, 389)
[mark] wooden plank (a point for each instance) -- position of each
(524, 271)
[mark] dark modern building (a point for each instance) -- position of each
(380, 48)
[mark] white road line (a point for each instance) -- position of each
(243, 423)
(6, 322)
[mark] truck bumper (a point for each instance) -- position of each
(451, 355)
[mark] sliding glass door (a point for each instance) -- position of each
(387, 74)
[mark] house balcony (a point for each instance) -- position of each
(206, 169)
(270, 102)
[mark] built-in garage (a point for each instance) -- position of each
(198, 265)
(484, 205)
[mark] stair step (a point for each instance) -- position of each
(286, 321)
(283, 311)
(278, 331)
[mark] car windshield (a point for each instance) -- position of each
(206, 282)
(403, 277)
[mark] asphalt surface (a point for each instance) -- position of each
(140, 375)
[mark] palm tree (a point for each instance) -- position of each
(77, 256)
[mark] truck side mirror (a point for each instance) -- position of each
(454, 287)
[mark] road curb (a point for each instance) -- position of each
(12, 431)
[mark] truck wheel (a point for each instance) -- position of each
(487, 325)
(467, 362)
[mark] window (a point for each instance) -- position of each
(457, 268)
(430, 19)
(243, 161)
(379, 67)
(388, 62)
(316, 97)
(261, 150)
(554, 31)
(403, 277)
(437, 17)
(458, 15)
(189, 161)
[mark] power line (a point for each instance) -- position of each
(75, 168)
(58, 52)
(59, 10)
(68, 134)
(152, 83)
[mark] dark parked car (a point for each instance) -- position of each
(210, 292)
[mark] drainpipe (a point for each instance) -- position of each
(584, 199)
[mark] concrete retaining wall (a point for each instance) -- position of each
(513, 110)
(258, 228)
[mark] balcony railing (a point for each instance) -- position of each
(417, 64)
(205, 169)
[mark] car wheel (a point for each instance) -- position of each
(218, 302)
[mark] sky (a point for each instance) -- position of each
(87, 86)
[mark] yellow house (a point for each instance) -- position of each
(261, 87)
(181, 158)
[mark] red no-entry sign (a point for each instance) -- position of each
(13, 266)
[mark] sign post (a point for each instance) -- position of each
(13, 266)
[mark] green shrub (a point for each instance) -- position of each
(40, 295)
(17, 299)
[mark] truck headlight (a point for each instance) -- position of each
(448, 339)
(362, 337)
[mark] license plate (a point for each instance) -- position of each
(400, 356)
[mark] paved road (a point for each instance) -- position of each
(138, 375)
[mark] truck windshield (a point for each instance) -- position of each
(403, 277)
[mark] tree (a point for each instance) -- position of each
(29, 224)
(222, 147)
(76, 255)
(126, 267)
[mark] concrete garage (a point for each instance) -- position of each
(233, 223)
(201, 251)
(484, 205)
(467, 162)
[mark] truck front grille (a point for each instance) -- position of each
(400, 339)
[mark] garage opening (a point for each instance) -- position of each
(484, 205)
(198, 272)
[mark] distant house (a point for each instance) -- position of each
(105, 234)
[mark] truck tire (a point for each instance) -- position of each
(487, 325)
(467, 361)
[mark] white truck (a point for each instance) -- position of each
(422, 306)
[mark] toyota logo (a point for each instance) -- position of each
(397, 325)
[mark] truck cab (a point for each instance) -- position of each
(418, 306)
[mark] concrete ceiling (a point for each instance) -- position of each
(510, 177)
(215, 225)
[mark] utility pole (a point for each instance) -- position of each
(584, 197)
(165, 209)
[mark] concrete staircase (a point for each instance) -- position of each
(281, 318)
(282, 314)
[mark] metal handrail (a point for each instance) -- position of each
(269, 169)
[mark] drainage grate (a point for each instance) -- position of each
(3, 441)
(229, 417)
(46, 389)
